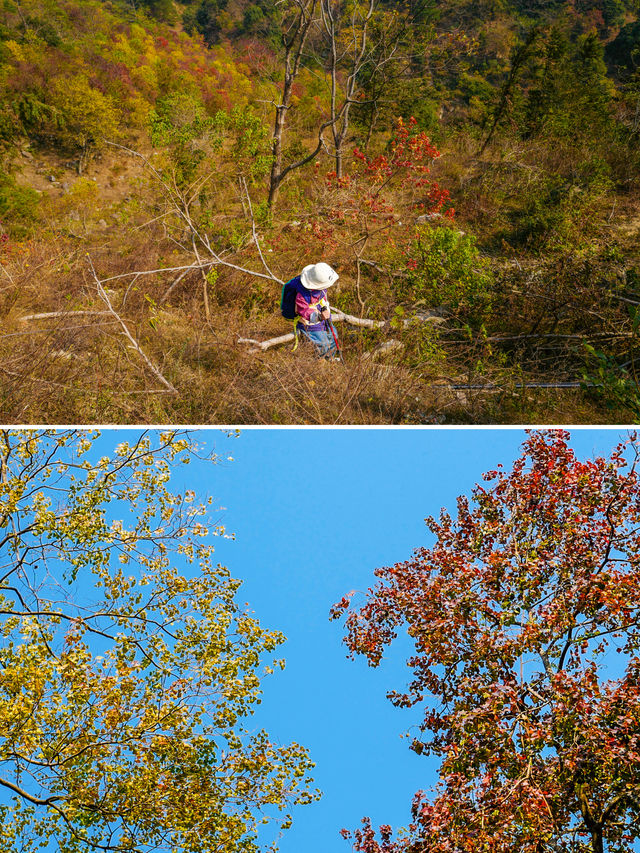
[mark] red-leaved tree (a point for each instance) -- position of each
(525, 615)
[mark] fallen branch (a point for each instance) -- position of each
(337, 316)
(265, 345)
(385, 347)
(134, 343)
(49, 314)
(520, 385)
(340, 316)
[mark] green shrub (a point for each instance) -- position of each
(18, 207)
(180, 123)
(444, 267)
(249, 139)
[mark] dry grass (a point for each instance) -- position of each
(80, 368)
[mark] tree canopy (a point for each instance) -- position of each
(525, 616)
(127, 669)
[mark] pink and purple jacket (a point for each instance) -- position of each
(309, 302)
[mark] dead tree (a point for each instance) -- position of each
(295, 31)
(353, 56)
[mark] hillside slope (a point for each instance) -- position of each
(481, 207)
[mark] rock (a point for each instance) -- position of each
(384, 348)
(52, 178)
(75, 216)
(429, 217)
(429, 316)
(26, 154)
(101, 224)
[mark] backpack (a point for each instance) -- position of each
(288, 299)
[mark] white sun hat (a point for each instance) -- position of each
(318, 276)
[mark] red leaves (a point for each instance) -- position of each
(365, 839)
(512, 612)
(409, 150)
(341, 606)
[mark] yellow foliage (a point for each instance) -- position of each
(132, 691)
(15, 50)
(85, 116)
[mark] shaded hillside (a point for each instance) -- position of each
(470, 169)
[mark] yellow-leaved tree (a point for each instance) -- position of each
(83, 117)
(127, 670)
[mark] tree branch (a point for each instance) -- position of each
(105, 298)
(37, 801)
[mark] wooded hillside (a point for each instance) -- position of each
(471, 169)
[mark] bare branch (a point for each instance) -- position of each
(105, 298)
(272, 342)
(49, 314)
(25, 795)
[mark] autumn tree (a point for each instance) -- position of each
(128, 671)
(525, 616)
(82, 118)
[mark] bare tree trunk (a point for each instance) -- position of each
(357, 49)
(276, 163)
(294, 38)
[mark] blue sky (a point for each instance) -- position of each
(314, 512)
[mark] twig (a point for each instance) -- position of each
(176, 283)
(127, 291)
(253, 230)
(105, 298)
(7, 273)
(555, 336)
(495, 388)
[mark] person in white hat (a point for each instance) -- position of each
(312, 308)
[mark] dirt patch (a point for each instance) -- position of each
(54, 176)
